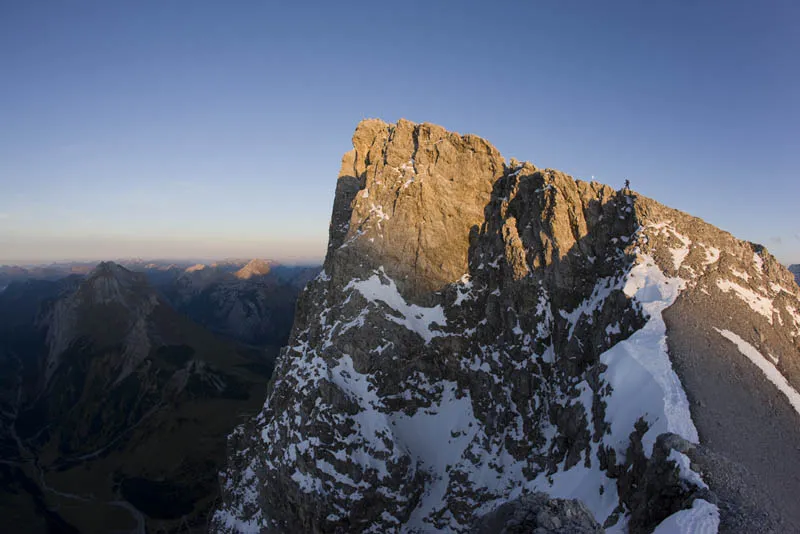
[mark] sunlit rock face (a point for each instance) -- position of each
(485, 329)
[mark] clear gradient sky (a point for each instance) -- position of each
(211, 129)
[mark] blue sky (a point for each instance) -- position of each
(213, 129)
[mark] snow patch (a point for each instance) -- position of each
(436, 437)
(739, 274)
(712, 255)
(770, 371)
(701, 518)
(759, 262)
(378, 212)
(416, 318)
(679, 254)
(685, 469)
(757, 303)
(639, 369)
(463, 290)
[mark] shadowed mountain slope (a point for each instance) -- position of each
(116, 407)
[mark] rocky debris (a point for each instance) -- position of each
(481, 328)
(536, 513)
(739, 413)
(743, 505)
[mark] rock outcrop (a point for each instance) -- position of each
(483, 328)
(536, 513)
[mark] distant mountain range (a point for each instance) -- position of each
(249, 301)
(56, 270)
(118, 387)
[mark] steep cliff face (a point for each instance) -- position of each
(484, 329)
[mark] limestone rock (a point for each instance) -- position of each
(482, 329)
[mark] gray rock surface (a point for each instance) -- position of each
(535, 513)
(748, 430)
(484, 327)
(795, 270)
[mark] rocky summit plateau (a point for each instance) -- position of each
(496, 347)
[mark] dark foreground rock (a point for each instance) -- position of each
(536, 513)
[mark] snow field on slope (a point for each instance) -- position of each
(644, 385)
(447, 437)
(639, 369)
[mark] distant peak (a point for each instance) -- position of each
(109, 268)
(195, 267)
(110, 281)
(255, 267)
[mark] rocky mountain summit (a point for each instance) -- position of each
(253, 268)
(486, 331)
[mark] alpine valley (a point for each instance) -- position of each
(494, 347)
(119, 386)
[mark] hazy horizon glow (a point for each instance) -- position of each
(200, 129)
(286, 252)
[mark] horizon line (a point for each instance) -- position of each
(153, 259)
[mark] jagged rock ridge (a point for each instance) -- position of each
(484, 329)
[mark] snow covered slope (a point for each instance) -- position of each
(482, 330)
